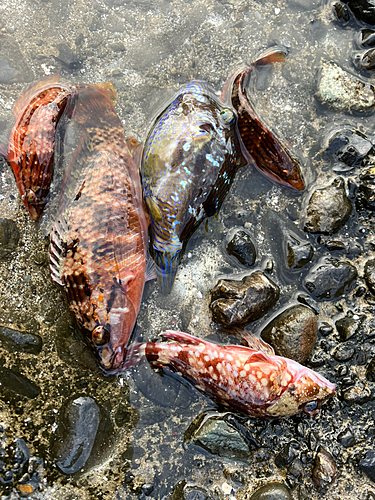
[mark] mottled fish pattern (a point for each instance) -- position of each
(190, 157)
(261, 147)
(251, 380)
(32, 139)
(98, 244)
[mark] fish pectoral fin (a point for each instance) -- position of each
(272, 55)
(181, 337)
(135, 148)
(256, 343)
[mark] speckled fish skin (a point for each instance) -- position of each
(98, 245)
(260, 146)
(189, 161)
(32, 139)
(251, 381)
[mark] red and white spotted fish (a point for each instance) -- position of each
(32, 139)
(260, 146)
(251, 380)
(99, 241)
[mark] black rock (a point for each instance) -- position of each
(348, 326)
(240, 302)
(22, 453)
(365, 38)
(325, 329)
(195, 494)
(349, 147)
(292, 333)
(367, 465)
(342, 11)
(147, 489)
(298, 252)
(15, 341)
(9, 237)
(328, 209)
(14, 381)
(325, 471)
(83, 417)
(366, 189)
(370, 371)
(241, 247)
(272, 491)
(330, 278)
(370, 275)
(346, 438)
(365, 60)
(343, 352)
(357, 394)
(68, 58)
(287, 454)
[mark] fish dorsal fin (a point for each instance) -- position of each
(58, 248)
(33, 89)
(181, 337)
(135, 148)
(255, 343)
(109, 90)
(258, 357)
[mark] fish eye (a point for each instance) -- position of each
(226, 116)
(100, 335)
(311, 408)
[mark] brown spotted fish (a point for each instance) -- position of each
(32, 139)
(251, 380)
(261, 147)
(99, 240)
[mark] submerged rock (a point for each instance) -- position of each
(348, 325)
(370, 275)
(367, 465)
(240, 302)
(366, 189)
(325, 471)
(9, 237)
(293, 333)
(330, 278)
(363, 10)
(357, 394)
(298, 251)
(215, 435)
(271, 491)
(342, 91)
(17, 383)
(349, 147)
(365, 60)
(328, 209)
(15, 341)
(241, 246)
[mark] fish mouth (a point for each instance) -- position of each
(166, 264)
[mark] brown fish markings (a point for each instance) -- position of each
(98, 245)
(32, 139)
(251, 380)
(260, 147)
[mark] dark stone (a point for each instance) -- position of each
(22, 453)
(83, 416)
(215, 435)
(349, 147)
(9, 237)
(367, 465)
(308, 301)
(347, 326)
(68, 58)
(195, 494)
(298, 252)
(272, 491)
(366, 189)
(363, 10)
(357, 394)
(325, 329)
(14, 381)
(343, 352)
(328, 209)
(241, 247)
(325, 471)
(370, 275)
(14, 341)
(334, 245)
(346, 438)
(365, 60)
(287, 454)
(342, 12)
(147, 489)
(240, 302)
(330, 278)
(370, 371)
(292, 333)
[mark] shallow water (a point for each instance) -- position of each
(148, 50)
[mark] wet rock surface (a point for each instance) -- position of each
(299, 252)
(330, 278)
(272, 491)
(241, 246)
(237, 303)
(14, 341)
(325, 470)
(367, 464)
(328, 209)
(292, 333)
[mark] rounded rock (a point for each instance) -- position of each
(293, 333)
(325, 471)
(272, 491)
(370, 275)
(241, 246)
(328, 209)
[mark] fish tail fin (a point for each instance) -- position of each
(271, 55)
(166, 269)
(135, 353)
(33, 89)
(182, 337)
(109, 90)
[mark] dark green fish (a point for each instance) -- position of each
(189, 162)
